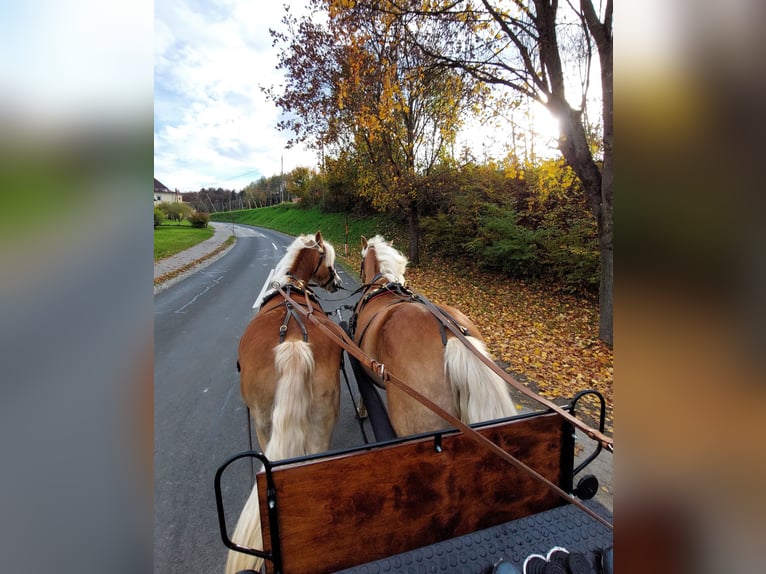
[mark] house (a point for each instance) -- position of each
(163, 194)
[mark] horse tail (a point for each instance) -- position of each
(480, 394)
(294, 364)
(247, 533)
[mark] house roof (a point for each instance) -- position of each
(160, 187)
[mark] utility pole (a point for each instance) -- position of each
(324, 176)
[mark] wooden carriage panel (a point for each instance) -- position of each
(342, 511)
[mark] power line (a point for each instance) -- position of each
(233, 177)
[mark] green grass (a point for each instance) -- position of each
(172, 238)
(291, 219)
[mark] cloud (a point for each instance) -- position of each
(213, 124)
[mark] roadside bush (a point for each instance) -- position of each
(199, 219)
(159, 217)
(176, 211)
(449, 233)
(504, 245)
(571, 255)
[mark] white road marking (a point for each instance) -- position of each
(198, 295)
(274, 246)
(226, 400)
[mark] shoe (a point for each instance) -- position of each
(537, 564)
(572, 562)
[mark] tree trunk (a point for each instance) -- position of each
(605, 292)
(597, 185)
(597, 181)
(606, 235)
(414, 236)
(601, 32)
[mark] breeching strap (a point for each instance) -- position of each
(342, 339)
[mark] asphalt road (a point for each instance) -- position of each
(199, 418)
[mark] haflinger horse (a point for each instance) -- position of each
(289, 375)
(395, 328)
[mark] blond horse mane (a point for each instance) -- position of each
(392, 262)
(301, 242)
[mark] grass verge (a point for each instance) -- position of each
(340, 229)
(170, 239)
(175, 273)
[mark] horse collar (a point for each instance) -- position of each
(291, 285)
(390, 287)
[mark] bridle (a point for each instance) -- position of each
(333, 274)
(374, 281)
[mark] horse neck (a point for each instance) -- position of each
(372, 271)
(305, 263)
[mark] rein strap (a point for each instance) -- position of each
(336, 332)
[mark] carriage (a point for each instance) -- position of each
(456, 493)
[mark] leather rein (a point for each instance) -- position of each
(334, 331)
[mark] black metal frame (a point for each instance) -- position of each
(602, 419)
(275, 555)
(567, 472)
(587, 486)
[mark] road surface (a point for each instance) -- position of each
(200, 419)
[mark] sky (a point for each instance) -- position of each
(213, 125)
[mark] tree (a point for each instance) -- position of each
(353, 83)
(529, 46)
(303, 183)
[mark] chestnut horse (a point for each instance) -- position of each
(395, 329)
(289, 375)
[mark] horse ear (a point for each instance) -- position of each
(318, 238)
(364, 242)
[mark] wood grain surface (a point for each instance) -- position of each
(347, 510)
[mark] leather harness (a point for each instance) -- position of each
(297, 287)
(405, 296)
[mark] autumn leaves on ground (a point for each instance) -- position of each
(547, 339)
